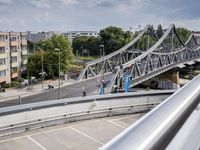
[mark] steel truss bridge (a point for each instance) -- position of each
(146, 56)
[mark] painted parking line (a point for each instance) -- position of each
(79, 124)
(38, 144)
(86, 135)
(16, 138)
(116, 124)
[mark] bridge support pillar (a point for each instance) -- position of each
(167, 80)
(173, 76)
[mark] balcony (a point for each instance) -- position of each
(3, 55)
(24, 52)
(24, 42)
(2, 79)
(14, 43)
(2, 44)
(14, 53)
(3, 67)
(15, 64)
(14, 75)
(24, 61)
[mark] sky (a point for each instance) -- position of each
(93, 15)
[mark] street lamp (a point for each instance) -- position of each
(102, 46)
(43, 67)
(59, 93)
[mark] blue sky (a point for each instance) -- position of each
(65, 15)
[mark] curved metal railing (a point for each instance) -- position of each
(157, 128)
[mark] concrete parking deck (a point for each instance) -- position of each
(84, 135)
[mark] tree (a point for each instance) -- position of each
(79, 43)
(93, 45)
(90, 43)
(159, 31)
(183, 33)
(113, 38)
(50, 56)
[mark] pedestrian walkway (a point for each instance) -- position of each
(33, 89)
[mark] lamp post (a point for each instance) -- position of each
(102, 46)
(42, 67)
(59, 92)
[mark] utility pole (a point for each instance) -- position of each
(102, 46)
(59, 90)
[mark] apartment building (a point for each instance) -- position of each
(13, 55)
(39, 36)
(73, 34)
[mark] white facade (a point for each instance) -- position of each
(73, 34)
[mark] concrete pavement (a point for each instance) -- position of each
(83, 135)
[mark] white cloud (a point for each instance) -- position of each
(43, 17)
(96, 14)
(43, 4)
(68, 2)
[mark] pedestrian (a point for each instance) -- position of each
(50, 86)
(83, 91)
(102, 86)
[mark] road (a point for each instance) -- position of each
(72, 90)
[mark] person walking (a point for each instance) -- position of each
(102, 86)
(83, 91)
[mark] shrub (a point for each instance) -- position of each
(15, 83)
(8, 85)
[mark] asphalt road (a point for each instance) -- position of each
(73, 90)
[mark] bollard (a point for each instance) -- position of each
(20, 101)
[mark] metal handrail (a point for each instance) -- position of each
(156, 129)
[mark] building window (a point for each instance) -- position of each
(24, 57)
(13, 48)
(14, 59)
(24, 48)
(14, 69)
(23, 37)
(2, 49)
(2, 38)
(2, 61)
(2, 73)
(13, 39)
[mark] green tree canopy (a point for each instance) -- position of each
(91, 44)
(50, 56)
(183, 33)
(159, 31)
(113, 38)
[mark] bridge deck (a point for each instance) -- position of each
(85, 135)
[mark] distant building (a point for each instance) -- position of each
(39, 36)
(73, 34)
(13, 55)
